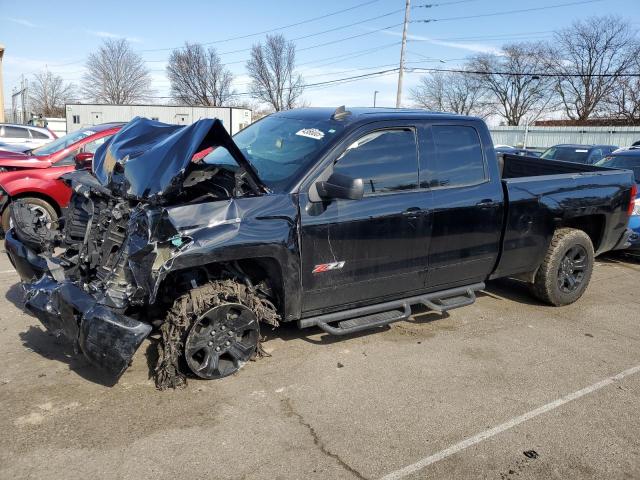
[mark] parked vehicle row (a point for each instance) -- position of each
(587, 154)
(337, 219)
(34, 177)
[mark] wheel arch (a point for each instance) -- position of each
(37, 194)
(593, 225)
(249, 270)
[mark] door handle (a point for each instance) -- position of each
(486, 203)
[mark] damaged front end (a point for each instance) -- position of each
(146, 203)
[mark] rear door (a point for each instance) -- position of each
(467, 201)
(374, 248)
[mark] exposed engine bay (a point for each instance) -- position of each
(108, 276)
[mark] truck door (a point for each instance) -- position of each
(467, 201)
(373, 248)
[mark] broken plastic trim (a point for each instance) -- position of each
(107, 339)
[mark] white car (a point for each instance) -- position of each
(23, 137)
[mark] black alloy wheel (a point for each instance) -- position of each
(572, 269)
(221, 340)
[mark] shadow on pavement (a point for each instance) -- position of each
(510, 289)
(51, 347)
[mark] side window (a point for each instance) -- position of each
(16, 132)
(38, 135)
(457, 160)
(76, 119)
(596, 156)
(91, 147)
(69, 159)
(386, 161)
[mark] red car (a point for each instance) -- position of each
(34, 176)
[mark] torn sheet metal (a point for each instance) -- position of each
(146, 158)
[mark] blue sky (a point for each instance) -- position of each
(60, 34)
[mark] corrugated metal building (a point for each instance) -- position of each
(543, 137)
(80, 115)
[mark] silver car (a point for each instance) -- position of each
(20, 138)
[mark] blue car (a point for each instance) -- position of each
(628, 159)
(587, 154)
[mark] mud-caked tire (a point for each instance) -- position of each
(211, 332)
(566, 269)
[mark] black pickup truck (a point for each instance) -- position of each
(337, 219)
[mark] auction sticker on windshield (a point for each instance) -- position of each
(311, 133)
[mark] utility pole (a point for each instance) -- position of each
(375, 93)
(407, 8)
(23, 84)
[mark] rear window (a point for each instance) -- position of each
(567, 154)
(38, 135)
(457, 160)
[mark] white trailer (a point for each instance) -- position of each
(79, 115)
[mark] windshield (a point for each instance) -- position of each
(279, 148)
(63, 142)
(567, 154)
(627, 163)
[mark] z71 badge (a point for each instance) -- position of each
(325, 267)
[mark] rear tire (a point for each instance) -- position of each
(566, 269)
(42, 206)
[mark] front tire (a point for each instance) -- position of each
(566, 269)
(195, 334)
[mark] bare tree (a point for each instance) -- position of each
(588, 58)
(624, 100)
(116, 75)
(198, 77)
(49, 93)
(514, 90)
(271, 68)
(449, 92)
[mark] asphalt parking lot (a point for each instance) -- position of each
(506, 388)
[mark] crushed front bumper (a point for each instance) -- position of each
(107, 338)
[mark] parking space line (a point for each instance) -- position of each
(447, 452)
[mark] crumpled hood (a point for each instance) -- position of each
(148, 158)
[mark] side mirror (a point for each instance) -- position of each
(83, 160)
(340, 186)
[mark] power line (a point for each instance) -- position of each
(249, 35)
(485, 37)
(508, 12)
(525, 74)
(322, 32)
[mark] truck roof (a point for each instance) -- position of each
(359, 114)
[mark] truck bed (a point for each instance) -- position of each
(541, 194)
(516, 166)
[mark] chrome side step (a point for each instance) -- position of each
(372, 316)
